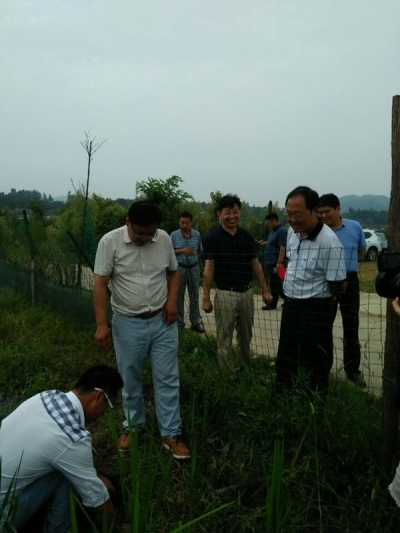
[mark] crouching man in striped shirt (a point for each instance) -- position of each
(46, 451)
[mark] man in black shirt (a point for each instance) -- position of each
(231, 261)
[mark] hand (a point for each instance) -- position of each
(267, 297)
(207, 305)
(109, 486)
(188, 251)
(170, 313)
(102, 337)
(263, 243)
(396, 306)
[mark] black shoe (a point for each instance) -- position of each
(358, 380)
(197, 328)
(268, 307)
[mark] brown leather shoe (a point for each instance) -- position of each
(177, 447)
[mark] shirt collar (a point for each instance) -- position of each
(342, 223)
(313, 233)
(128, 240)
(75, 400)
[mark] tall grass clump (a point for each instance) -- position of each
(298, 464)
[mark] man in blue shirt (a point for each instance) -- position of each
(274, 256)
(351, 235)
(188, 246)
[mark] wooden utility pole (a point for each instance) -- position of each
(390, 413)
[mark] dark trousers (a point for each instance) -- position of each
(349, 303)
(305, 343)
(274, 284)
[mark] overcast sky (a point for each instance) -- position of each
(246, 96)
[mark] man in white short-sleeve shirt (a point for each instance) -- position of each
(139, 263)
(45, 444)
(315, 274)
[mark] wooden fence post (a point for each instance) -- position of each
(390, 414)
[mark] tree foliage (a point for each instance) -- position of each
(21, 200)
(167, 195)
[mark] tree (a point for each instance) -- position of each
(90, 148)
(167, 195)
(391, 361)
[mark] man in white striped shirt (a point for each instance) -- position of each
(46, 451)
(188, 246)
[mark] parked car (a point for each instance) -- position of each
(374, 245)
(383, 239)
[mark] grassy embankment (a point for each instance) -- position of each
(236, 434)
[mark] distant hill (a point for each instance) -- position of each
(367, 201)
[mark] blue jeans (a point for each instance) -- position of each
(189, 277)
(53, 488)
(134, 339)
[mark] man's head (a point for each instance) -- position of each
(185, 221)
(143, 220)
(228, 211)
(302, 209)
(98, 388)
(329, 210)
(272, 220)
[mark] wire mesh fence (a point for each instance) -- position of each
(66, 283)
(372, 329)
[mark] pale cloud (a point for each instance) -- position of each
(250, 97)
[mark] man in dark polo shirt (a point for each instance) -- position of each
(274, 257)
(231, 261)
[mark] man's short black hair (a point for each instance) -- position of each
(271, 216)
(311, 197)
(330, 199)
(186, 214)
(229, 200)
(103, 377)
(144, 213)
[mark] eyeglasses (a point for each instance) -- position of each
(297, 215)
(110, 405)
(145, 236)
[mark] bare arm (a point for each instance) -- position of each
(102, 335)
(186, 251)
(104, 513)
(361, 253)
(281, 257)
(208, 277)
(396, 306)
(337, 287)
(259, 275)
(170, 312)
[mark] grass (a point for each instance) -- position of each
(290, 466)
(367, 271)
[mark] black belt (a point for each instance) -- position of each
(235, 289)
(327, 299)
(188, 266)
(148, 315)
